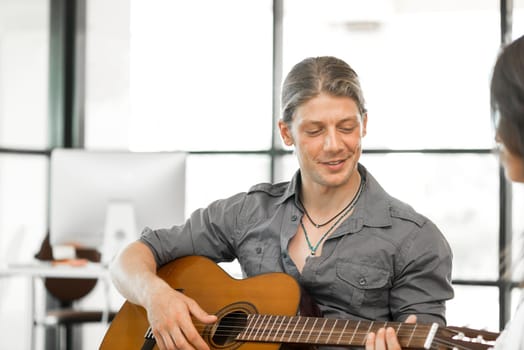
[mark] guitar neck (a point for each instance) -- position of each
(325, 331)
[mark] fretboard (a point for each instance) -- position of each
(325, 331)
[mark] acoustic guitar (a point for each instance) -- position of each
(260, 313)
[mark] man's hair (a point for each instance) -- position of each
(507, 96)
(315, 75)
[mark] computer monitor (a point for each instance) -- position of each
(103, 199)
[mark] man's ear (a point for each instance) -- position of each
(364, 124)
(285, 133)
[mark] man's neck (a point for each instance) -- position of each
(324, 200)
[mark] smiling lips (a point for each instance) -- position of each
(334, 165)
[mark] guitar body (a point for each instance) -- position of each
(217, 293)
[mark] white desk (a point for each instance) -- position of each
(41, 269)
(46, 269)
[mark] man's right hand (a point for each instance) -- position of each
(169, 312)
(170, 316)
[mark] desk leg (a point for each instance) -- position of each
(105, 314)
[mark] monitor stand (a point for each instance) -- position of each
(120, 228)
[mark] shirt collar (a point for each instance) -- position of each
(292, 188)
(373, 207)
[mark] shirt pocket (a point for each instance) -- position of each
(364, 285)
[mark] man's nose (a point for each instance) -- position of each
(332, 140)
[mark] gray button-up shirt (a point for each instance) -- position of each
(384, 262)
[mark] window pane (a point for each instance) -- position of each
(24, 42)
(518, 24)
(211, 177)
(426, 83)
(107, 75)
(516, 298)
(23, 199)
(285, 167)
(199, 77)
(459, 193)
(23, 203)
(474, 307)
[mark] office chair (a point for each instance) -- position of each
(66, 291)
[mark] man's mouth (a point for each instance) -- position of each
(333, 162)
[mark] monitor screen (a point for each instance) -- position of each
(103, 199)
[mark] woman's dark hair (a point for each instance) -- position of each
(507, 96)
(314, 75)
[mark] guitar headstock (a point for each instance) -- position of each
(464, 338)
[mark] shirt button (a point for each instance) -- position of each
(362, 281)
(294, 218)
(258, 250)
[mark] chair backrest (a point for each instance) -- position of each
(67, 290)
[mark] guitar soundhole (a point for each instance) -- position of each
(231, 321)
(229, 327)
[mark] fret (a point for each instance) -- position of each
(371, 324)
(259, 326)
(354, 332)
(282, 318)
(265, 326)
(284, 332)
(269, 329)
(250, 326)
(331, 332)
(312, 327)
(411, 337)
(303, 327)
(342, 333)
(320, 332)
(296, 319)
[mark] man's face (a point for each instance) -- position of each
(327, 134)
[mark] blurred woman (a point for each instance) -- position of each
(507, 101)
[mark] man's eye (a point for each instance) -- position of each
(347, 130)
(312, 132)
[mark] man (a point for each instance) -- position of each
(358, 252)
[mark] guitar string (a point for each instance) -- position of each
(436, 344)
(406, 327)
(402, 332)
(225, 330)
(231, 331)
(447, 343)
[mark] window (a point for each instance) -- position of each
(204, 86)
(199, 77)
(24, 51)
